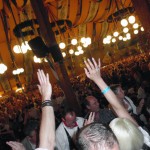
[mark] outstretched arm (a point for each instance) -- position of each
(92, 71)
(47, 128)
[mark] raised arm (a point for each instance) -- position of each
(92, 71)
(47, 128)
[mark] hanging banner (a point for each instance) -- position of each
(19, 4)
(62, 9)
(5, 83)
(92, 11)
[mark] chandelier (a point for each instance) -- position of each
(76, 46)
(129, 26)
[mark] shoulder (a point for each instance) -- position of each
(80, 121)
(60, 128)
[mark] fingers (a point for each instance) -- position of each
(86, 72)
(99, 63)
(91, 117)
(14, 145)
(95, 63)
(42, 77)
(87, 66)
(92, 65)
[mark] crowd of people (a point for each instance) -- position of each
(116, 109)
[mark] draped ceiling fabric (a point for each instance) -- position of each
(88, 17)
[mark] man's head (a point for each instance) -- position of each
(69, 118)
(117, 89)
(31, 131)
(97, 136)
(91, 103)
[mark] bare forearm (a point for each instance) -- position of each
(47, 129)
(112, 99)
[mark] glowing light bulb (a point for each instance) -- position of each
(74, 41)
(125, 30)
(142, 29)
(109, 37)
(113, 40)
(17, 49)
(62, 45)
(79, 47)
(120, 37)
(64, 54)
(131, 19)
(116, 34)
(71, 51)
(136, 31)
(124, 22)
(135, 26)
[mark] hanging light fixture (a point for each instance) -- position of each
(62, 45)
(124, 39)
(131, 19)
(116, 34)
(136, 31)
(74, 41)
(25, 47)
(120, 37)
(81, 51)
(142, 29)
(124, 22)
(113, 40)
(71, 51)
(125, 30)
(17, 49)
(83, 40)
(79, 47)
(64, 54)
(85, 45)
(3, 68)
(77, 53)
(88, 40)
(36, 59)
(135, 26)
(18, 71)
(109, 37)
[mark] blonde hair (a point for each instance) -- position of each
(128, 135)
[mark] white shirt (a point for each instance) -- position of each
(146, 136)
(61, 137)
(41, 149)
(130, 104)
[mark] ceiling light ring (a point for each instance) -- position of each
(118, 15)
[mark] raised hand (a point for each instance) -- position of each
(92, 69)
(90, 119)
(44, 87)
(15, 145)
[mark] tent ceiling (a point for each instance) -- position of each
(88, 17)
